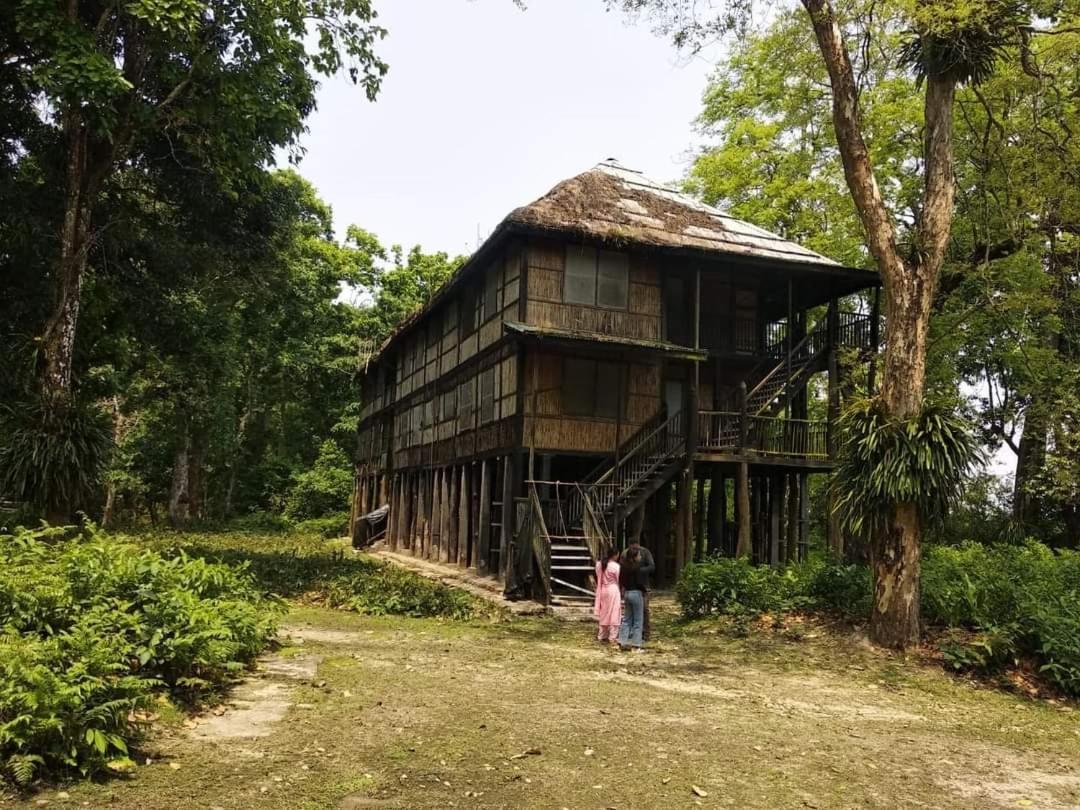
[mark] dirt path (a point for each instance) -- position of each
(360, 712)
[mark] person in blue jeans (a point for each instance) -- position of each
(632, 584)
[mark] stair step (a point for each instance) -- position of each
(572, 567)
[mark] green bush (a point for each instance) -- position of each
(329, 527)
(324, 489)
(996, 602)
(308, 567)
(91, 627)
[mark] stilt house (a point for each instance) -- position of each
(611, 348)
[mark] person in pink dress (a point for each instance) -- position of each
(608, 603)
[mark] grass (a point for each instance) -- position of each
(434, 713)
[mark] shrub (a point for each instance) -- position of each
(329, 527)
(729, 586)
(90, 627)
(324, 489)
(996, 602)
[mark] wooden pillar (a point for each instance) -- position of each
(436, 515)
(701, 533)
(484, 540)
(804, 515)
(714, 530)
(394, 519)
(423, 538)
(776, 512)
(445, 530)
(409, 524)
(792, 528)
(474, 515)
(743, 518)
(464, 504)
(682, 520)
(511, 475)
(662, 550)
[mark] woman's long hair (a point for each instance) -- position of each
(611, 554)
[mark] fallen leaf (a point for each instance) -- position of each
(698, 791)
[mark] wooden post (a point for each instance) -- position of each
(474, 516)
(453, 503)
(445, 523)
(435, 552)
(701, 533)
(725, 540)
(484, 542)
(715, 520)
(744, 421)
(804, 515)
(682, 521)
(776, 511)
(397, 514)
(506, 532)
(407, 524)
(662, 542)
(792, 534)
(743, 517)
(464, 544)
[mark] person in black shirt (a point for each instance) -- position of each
(647, 567)
(631, 583)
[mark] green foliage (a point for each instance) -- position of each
(52, 459)
(90, 628)
(732, 586)
(306, 566)
(325, 488)
(883, 461)
(996, 603)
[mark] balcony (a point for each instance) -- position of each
(731, 432)
(744, 336)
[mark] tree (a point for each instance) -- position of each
(947, 44)
(217, 84)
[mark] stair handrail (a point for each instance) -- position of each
(593, 526)
(673, 421)
(781, 365)
(649, 425)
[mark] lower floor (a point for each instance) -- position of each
(475, 515)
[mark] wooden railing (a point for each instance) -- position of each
(855, 330)
(640, 460)
(765, 435)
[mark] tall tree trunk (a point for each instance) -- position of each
(179, 494)
(909, 293)
(1030, 458)
(744, 545)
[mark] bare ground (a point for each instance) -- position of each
(362, 712)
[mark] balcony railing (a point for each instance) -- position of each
(735, 432)
(744, 336)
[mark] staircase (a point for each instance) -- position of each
(770, 392)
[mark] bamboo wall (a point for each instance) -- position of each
(546, 262)
(548, 428)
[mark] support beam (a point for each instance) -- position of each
(701, 532)
(511, 475)
(682, 521)
(435, 551)
(791, 534)
(484, 541)
(804, 516)
(714, 530)
(447, 552)
(662, 550)
(452, 517)
(464, 504)
(743, 517)
(776, 511)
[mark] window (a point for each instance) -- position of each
(491, 293)
(487, 395)
(590, 388)
(465, 404)
(596, 277)
(470, 304)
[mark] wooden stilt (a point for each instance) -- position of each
(484, 541)
(463, 516)
(474, 516)
(804, 515)
(511, 473)
(446, 500)
(662, 548)
(682, 522)
(744, 546)
(435, 551)
(791, 540)
(699, 540)
(714, 519)
(776, 512)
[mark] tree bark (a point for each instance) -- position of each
(179, 496)
(909, 293)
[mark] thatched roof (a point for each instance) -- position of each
(613, 202)
(622, 206)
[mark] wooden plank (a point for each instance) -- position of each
(452, 515)
(464, 546)
(511, 466)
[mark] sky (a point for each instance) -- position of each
(486, 107)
